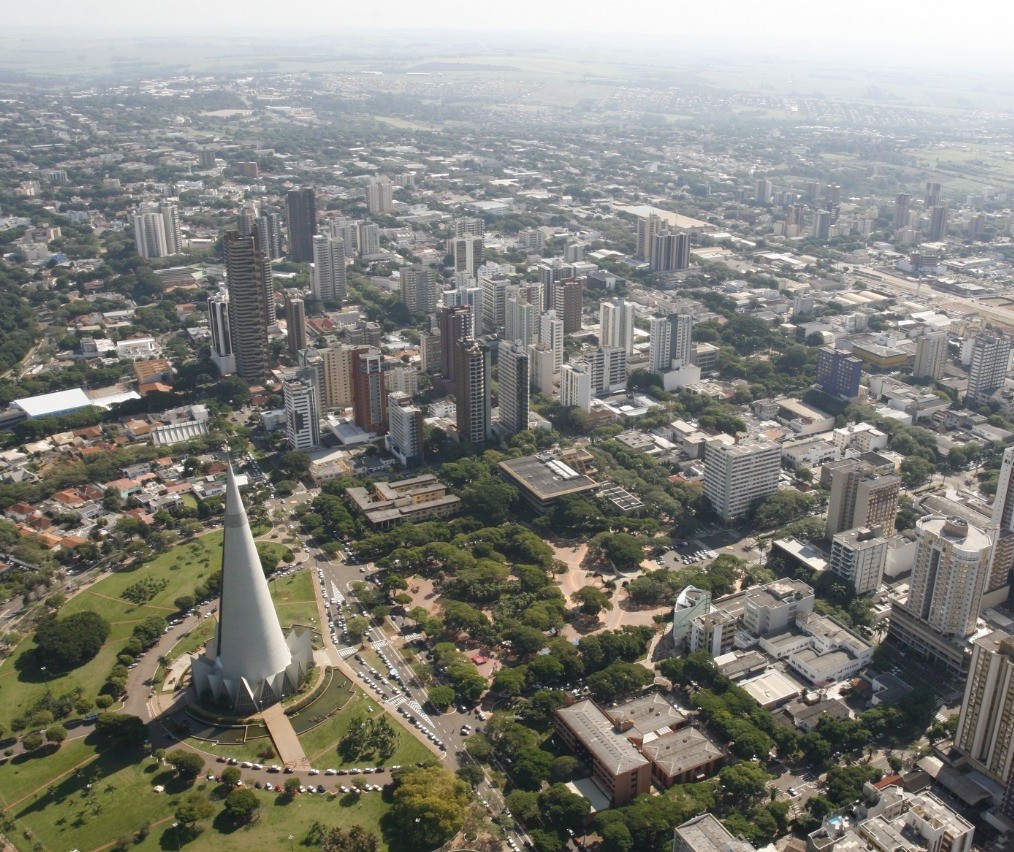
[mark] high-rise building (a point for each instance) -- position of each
(157, 229)
(251, 305)
(222, 355)
(347, 231)
(822, 224)
(302, 205)
(990, 361)
(520, 318)
(608, 369)
(670, 342)
(467, 253)
(542, 361)
(295, 321)
(302, 414)
(1002, 526)
(670, 253)
(247, 219)
(473, 392)
(838, 373)
(575, 386)
(616, 324)
(401, 377)
(369, 391)
(930, 355)
(976, 226)
(985, 734)
(932, 198)
(379, 198)
(330, 279)
(938, 224)
(858, 556)
(494, 300)
(762, 191)
(861, 497)
(738, 475)
(471, 297)
(514, 371)
(467, 226)
(336, 388)
(171, 221)
(567, 300)
(250, 663)
(902, 202)
(368, 239)
(405, 437)
(551, 334)
(455, 326)
(647, 228)
(269, 235)
(420, 290)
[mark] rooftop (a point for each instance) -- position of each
(681, 751)
(597, 734)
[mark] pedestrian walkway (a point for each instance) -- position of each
(290, 750)
(345, 653)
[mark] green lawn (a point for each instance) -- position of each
(294, 599)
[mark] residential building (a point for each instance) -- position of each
(455, 326)
(515, 383)
(551, 335)
(369, 391)
(379, 198)
(295, 321)
(568, 296)
(902, 203)
(858, 556)
(269, 235)
(494, 300)
(468, 226)
(470, 297)
(520, 318)
(647, 228)
(738, 475)
(302, 205)
(670, 342)
(670, 253)
(861, 497)
(467, 253)
(405, 435)
(985, 733)
(302, 414)
(336, 387)
(157, 229)
(938, 224)
(420, 290)
(368, 239)
(608, 369)
(1002, 526)
(222, 354)
(575, 386)
(473, 402)
(542, 360)
(932, 198)
(330, 282)
(616, 324)
(838, 373)
(251, 304)
(930, 355)
(990, 361)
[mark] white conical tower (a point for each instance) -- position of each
(250, 663)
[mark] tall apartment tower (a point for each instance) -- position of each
(369, 391)
(858, 556)
(269, 235)
(494, 300)
(608, 368)
(330, 279)
(468, 226)
(670, 253)
(902, 203)
(347, 231)
(302, 414)
(520, 318)
(551, 335)
(575, 386)
(670, 341)
(932, 198)
(170, 212)
(985, 732)
(455, 326)
(368, 239)
(1002, 526)
(860, 497)
(251, 305)
(419, 289)
(467, 253)
(762, 191)
(405, 435)
(514, 370)
(295, 321)
(302, 223)
(379, 198)
(930, 355)
(938, 224)
(990, 361)
(247, 219)
(222, 355)
(470, 297)
(822, 224)
(838, 373)
(647, 228)
(473, 392)
(567, 299)
(737, 475)
(616, 324)
(336, 388)
(157, 230)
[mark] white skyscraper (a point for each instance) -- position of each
(608, 369)
(575, 386)
(551, 334)
(222, 355)
(494, 300)
(985, 732)
(616, 324)
(737, 475)
(515, 381)
(302, 414)
(542, 360)
(404, 439)
(659, 344)
(157, 229)
(519, 318)
(329, 274)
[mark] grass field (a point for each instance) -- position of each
(294, 599)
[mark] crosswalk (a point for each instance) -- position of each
(377, 644)
(345, 653)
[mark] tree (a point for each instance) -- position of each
(744, 781)
(432, 801)
(32, 741)
(532, 766)
(123, 729)
(782, 507)
(618, 679)
(915, 470)
(193, 809)
(624, 552)
(241, 805)
(592, 600)
(357, 627)
(291, 787)
(294, 464)
(561, 809)
(231, 776)
(67, 643)
(354, 839)
(188, 764)
(441, 697)
(56, 734)
(564, 768)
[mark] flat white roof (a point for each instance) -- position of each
(53, 403)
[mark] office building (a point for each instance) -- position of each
(514, 372)
(251, 305)
(473, 392)
(520, 317)
(738, 475)
(330, 279)
(858, 556)
(647, 229)
(985, 732)
(467, 254)
(295, 321)
(670, 253)
(902, 203)
(250, 663)
(369, 391)
(838, 373)
(575, 386)
(368, 240)
(221, 335)
(379, 196)
(616, 324)
(420, 290)
(990, 362)
(405, 435)
(938, 224)
(930, 355)
(494, 300)
(269, 235)
(157, 230)
(567, 300)
(932, 198)
(302, 414)
(336, 387)
(670, 342)
(302, 206)
(455, 325)
(861, 497)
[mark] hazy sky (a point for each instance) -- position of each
(910, 26)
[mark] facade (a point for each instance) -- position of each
(467, 253)
(551, 335)
(251, 304)
(269, 235)
(542, 361)
(938, 224)
(302, 204)
(670, 342)
(930, 355)
(494, 300)
(470, 297)
(861, 497)
(404, 439)
(737, 475)
(838, 373)
(222, 355)
(902, 203)
(670, 253)
(647, 228)
(567, 300)
(368, 239)
(336, 387)
(515, 383)
(379, 198)
(250, 663)
(473, 392)
(985, 732)
(157, 229)
(858, 556)
(295, 321)
(455, 325)
(616, 324)
(302, 414)
(607, 368)
(369, 391)
(520, 318)
(990, 361)
(421, 498)
(575, 386)
(419, 289)
(330, 280)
